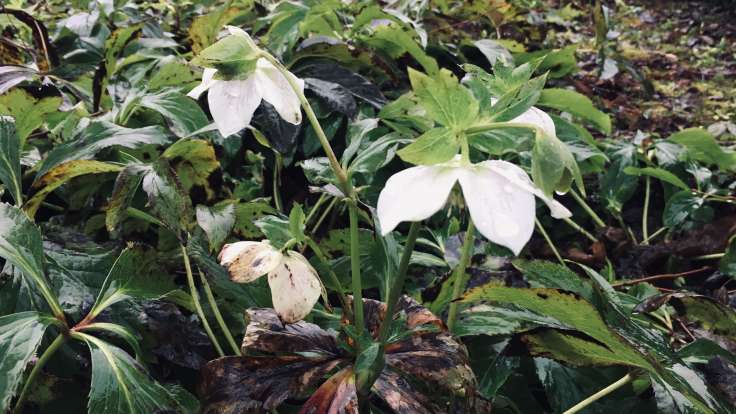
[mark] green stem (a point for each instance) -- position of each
(600, 394)
(333, 277)
(355, 267)
(340, 173)
(47, 354)
(654, 235)
(277, 182)
(459, 277)
(218, 314)
(549, 241)
(645, 214)
(596, 218)
(396, 288)
(580, 229)
(323, 216)
(315, 208)
(197, 305)
(711, 256)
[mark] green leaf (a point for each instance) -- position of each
(122, 195)
(166, 198)
(445, 100)
(182, 112)
(62, 173)
(616, 186)
(574, 313)
(518, 100)
(541, 273)
(217, 222)
(29, 112)
(433, 147)
(683, 206)
(395, 41)
(21, 245)
(194, 161)
(701, 146)
(296, 222)
(577, 104)
(98, 136)
(130, 276)
(276, 229)
(10, 151)
(728, 261)
(659, 174)
(377, 154)
(505, 77)
(233, 56)
(553, 166)
(246, 215)
(120, 384)
(116, 43)
(20, 336)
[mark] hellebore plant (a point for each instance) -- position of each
(499, 195)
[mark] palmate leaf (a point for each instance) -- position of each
(120, 384)
(20, 336)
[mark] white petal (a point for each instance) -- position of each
(246, 261)
(232, 104)
(536, 116)
(502, 212)
(208, 79)
(277, 91)
(520, 178)
(414, 194)
(295, 287)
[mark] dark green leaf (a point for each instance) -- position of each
(685, 205)
(10, 151)
(166, 198)
(336, 97)
(701, 146)
(356, 84)
(659, 174)
(296, 222)
(182, 112)
(20, 336)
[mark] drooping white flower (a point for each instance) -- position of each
(499, 196)
(233, 102)
(295, 286)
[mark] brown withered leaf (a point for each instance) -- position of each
(426, 371)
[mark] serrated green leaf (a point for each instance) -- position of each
(701, 146)
(62, 173)
(217, 222)
(276, 230)
(29, 112)
(518, 100)
(20, 337)
(167, 200)
(98, 136)
(444, 99)
(10, 152)
(123, 192)
(120, 384)
(577, 104)
(433, 147)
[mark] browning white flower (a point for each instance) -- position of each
(233, 102)
(295, 286)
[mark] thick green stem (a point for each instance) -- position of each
(218, 314)
(459, 277)
(398, 285)
(596, 218)
(549, 241)
(197, 305)
(355, 268)
(333, 277)
(600, 394)
(47, 354)
(645, 213)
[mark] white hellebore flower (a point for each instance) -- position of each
(499, 195)
(295, 286)
(233, 102)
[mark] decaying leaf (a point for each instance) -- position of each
(426, 370)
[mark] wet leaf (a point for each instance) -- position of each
(20, 337)
(10, 153)
(701, 146)
(576, 104)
